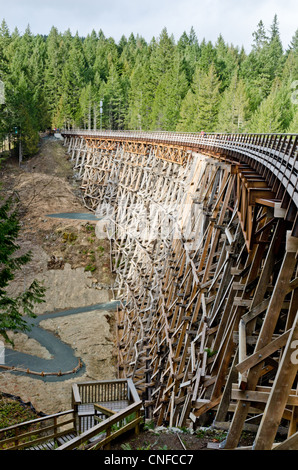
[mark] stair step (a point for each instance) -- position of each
(61, 440)
(51, 445)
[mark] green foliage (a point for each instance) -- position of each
(234, 107)
(59, 80)
(209, 433)
(275, 112)
(90, 268)
(199, 109)
(149, 424)
(12, 412)
(145, 446)
(210, 352)
(293, 127)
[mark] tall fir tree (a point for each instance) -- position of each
(189, 50)
(169, 94)
(202, 103)
(115, 103)
(234, 107)
(56, 54)
(139, 104)
(270, 117)
(14, 308)
(293, 126)
(73, 80)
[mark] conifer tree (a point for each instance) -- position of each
(85, 110)
(137, 114)
(189, 50)
(167, 101)
(202, 103)
(269, 117)
(89, 48)
(162, 55)
(60, 79)
(73, 80)
(5, 40)
(55, 57)
(207, 55)
(186, 122)
(106, 55)
(4, 65)
(293, 126)
(207, 100)
(234, 107)
(275, 51)
(114, 98)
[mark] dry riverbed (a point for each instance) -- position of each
(74, 267)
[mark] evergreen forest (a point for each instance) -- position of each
(184, 85)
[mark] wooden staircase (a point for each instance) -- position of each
(102, 411)
(54, 443)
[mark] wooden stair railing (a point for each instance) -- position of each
(36, 433)
(109, 429)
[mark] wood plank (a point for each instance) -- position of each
(261, 397)
(280, 394)
(263, 353)
(289, 444)
(103, 409)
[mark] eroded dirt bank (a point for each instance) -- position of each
(74, 267)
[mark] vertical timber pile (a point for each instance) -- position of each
(206, 277)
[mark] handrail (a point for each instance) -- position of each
(92, 392)
(272, 156)
(43, 374)
(34, 421)
(235, 142)
(49, 431)
(131, 131)
(132, 390)
(19, 428)
(106, 426)
(187, 138)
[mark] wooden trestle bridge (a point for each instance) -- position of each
(204, 237)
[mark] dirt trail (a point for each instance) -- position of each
(74, 267)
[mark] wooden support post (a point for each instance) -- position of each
(281, 388)
(272, 314)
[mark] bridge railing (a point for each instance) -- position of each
(272, 156)
(278, 142)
